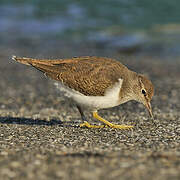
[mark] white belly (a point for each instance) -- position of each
(110, 99)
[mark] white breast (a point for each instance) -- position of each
(110, 99)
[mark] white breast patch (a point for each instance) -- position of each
(110, 99)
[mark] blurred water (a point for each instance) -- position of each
(124, 25)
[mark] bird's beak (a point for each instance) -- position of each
(148, 106)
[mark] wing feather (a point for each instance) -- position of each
(90, 76)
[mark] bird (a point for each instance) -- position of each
(95, 83)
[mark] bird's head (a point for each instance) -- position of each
(144, 91)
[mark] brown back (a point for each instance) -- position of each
(88, 75)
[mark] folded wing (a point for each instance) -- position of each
(91, 76)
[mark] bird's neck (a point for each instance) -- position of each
(127, 89)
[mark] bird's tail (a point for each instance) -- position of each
(46, 66)
(30, 61)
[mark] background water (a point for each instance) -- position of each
(124, 26)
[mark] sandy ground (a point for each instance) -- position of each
(40, 137)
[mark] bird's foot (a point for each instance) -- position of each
(86, 124)
(116, 126)
(111, 125)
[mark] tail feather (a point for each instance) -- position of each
(46, 66)
(30, 61)
(26, 61)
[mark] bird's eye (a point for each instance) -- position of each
(143, 92)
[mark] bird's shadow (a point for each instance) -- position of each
(38, 122)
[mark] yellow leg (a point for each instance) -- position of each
(108, 124)
(86, 124)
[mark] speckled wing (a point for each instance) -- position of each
(91, 76)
